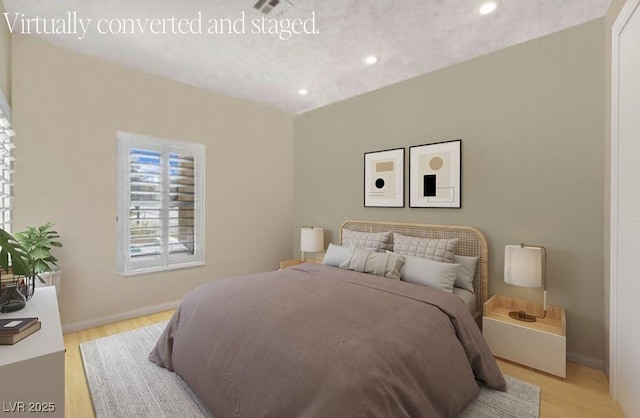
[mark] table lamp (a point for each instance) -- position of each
(311, 240)
(525, 266)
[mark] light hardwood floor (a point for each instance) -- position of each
(584, 393)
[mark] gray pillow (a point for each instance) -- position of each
(441, 250)
(337, 254)
(381, 264)
(466, 272)
(375, 241)
(429, 273)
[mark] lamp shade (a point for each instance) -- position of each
(523, 265)
(311, 239)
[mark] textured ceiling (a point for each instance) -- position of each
(410, 38)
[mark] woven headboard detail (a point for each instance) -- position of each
(472, 243)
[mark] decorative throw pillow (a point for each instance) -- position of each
(466, 272)
(375, 241)
(441, 250)
(337, 254)
(381, 264)
(429, 273)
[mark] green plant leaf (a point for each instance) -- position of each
(37, 241)
(4, 260)
(20, 260)
(46, 226)
(40, 266)
(40, 253)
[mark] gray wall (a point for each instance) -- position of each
(531, 118)
(67, 108)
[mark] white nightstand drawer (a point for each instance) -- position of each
(540, 344)
(540, 350)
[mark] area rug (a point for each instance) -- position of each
(124, 383)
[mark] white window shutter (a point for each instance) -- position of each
(6, 170)
(161, 201)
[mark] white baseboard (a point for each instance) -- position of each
(77, 326)
(585, 360)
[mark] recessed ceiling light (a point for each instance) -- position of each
(370, 59)
(488, 7)
(303, 92)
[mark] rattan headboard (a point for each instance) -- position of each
(472, 243)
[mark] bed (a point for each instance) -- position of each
(319, 341)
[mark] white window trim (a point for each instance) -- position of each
(126, 141)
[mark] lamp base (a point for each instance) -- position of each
(522, 316)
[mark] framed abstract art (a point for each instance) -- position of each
(384, 178)
(435, 175)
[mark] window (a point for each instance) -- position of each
(161, 204)
(6, 167)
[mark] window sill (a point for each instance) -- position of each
(150, 270)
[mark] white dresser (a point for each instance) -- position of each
(32, 370)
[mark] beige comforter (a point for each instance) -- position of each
(316, 341)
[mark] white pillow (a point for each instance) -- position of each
(434, 249)
(374, 241)
(337, 254)
(429, 273)
(380, 264)
(466, 272)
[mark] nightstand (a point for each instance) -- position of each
(541, 345)
(290, 263)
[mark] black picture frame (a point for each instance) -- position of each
(435, 175)
(384, 178)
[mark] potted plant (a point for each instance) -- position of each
(38, 241)
(16, 265)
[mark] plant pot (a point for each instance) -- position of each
(51, 278)
(12, 300)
